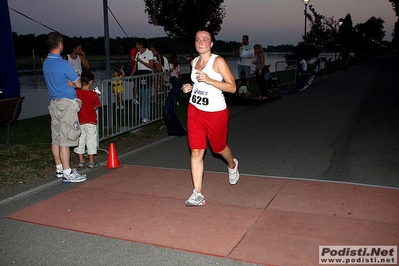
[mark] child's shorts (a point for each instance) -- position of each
(88, 139)
(242, 89)
(203, 126)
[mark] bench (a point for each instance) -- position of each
(9, 113)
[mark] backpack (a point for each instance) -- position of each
(165, 67)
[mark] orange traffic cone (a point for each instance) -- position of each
(113, 161)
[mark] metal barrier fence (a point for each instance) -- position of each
(114, 119)
(288, 69)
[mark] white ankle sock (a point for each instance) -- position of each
(67, 171)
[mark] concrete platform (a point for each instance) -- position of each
(263, 220)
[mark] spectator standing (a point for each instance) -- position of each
(260, 68)
(169, 110)
(117, 86)
(77, 58)
(246, 53)
(63, 109)
(302, 66)
(345, 57)
(207, 112)
(158, 64)
(88, 120)
(144, 64)
(133, 53)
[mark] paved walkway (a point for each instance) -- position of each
(319, 167)
(263, 220)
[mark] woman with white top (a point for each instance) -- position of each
(144, 64)
(207, 117)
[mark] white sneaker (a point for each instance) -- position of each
(146, 120)
(58, 173)
(135, 101)
(234, 175)
(196, 199)
(74, 177)
(76, 170)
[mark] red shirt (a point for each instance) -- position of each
(133, 53)
(90, 102)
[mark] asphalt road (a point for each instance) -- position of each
(344, 127)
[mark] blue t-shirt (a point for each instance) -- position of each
(57, 72)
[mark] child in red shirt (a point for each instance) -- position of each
(88, 120)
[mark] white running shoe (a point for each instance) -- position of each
(196, 199)
(58, 173)
(234, 175)
(76, 170)
(74, 177)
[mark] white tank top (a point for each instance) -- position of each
(76, 64)
(204, 96)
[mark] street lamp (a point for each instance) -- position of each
(338, 38)
(340, 22)
(305, 2)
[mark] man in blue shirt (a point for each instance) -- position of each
(63, 109)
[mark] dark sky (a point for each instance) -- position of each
(268, 22)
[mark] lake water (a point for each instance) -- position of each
(33, 86)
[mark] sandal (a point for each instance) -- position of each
(82, 164)
(93, 165)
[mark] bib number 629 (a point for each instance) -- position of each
(200, 100)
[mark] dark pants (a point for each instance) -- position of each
(169, 110)
(260, 80)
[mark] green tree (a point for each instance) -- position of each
(345, 33)
(321, 30)
(182, 18)
(311, 52)
(395, 33)
(395, 36)
(395, 6)
(323, 33)
(373, 28)
(368, 37)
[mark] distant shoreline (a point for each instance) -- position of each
(123, 58)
